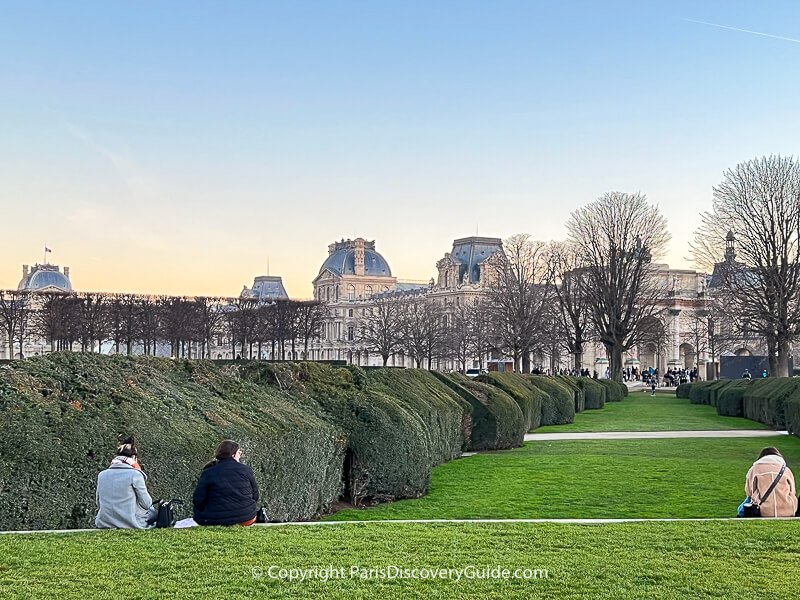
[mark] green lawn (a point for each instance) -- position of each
(640, 412)
(701, 477)
(731, 560)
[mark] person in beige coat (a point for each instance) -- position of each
(782, 502)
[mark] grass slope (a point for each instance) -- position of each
(640, 412)
(591, 479)
(732, 560)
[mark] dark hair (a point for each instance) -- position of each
(225, 449)
(770, 451)
(127, 448)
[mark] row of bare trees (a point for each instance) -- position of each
(425, 329)
(140, 324)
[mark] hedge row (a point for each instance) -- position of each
(705, 392)
(312, 433)
(682, 391)
(577, 392)
(615, 391)
(497, 420)
(558, 407)
(773, 401)
(594, 392)
(792, 407)
(529, 398)
(765, 400)
(61, 417)
(730, 400)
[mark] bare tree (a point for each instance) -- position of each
(616, 237)
(459, 335)
(209, 316)
(381, 329)
(54, 319)
(424, 327)
(757, 208)
(15, 312)
(518, 296)
(573, 316)
(310, 319)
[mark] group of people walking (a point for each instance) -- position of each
(226, 492)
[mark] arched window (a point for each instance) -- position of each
(350, 312)
(328, 293)
(368, 292)
(351, 292)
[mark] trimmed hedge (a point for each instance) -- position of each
(764, 401)
(312, 433)
(497, 420)
(558, 407)
(730, 399)
(61, 417)
(683, 390)
(792, 409)
(594, 393)
(399, 423)
(700, 392)
(577, 392)
(615, 391)
(525, 394)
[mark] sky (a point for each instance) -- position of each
(182, 147)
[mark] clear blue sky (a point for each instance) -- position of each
(173, 146)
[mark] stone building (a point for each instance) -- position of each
(355, 273)
(38, 278)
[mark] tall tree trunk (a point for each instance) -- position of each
(782, 361)
(615, 361)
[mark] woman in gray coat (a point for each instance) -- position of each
(122, 497)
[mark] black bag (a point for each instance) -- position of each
(753, 510)
(166, 513)
(261, 515)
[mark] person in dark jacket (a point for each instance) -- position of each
(227, 492)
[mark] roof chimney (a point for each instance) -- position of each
(66, 272)
(359, 256)
(24, 270)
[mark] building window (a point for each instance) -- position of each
(349, 312)
(351, 334)
(351, 292)
(368, 292)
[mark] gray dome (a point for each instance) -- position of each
(343, 262)
(42, 279)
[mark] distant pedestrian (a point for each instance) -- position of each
(746, 375)
(764, 374)
(653, 386)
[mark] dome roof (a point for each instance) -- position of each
(342, 260)
(45, 278)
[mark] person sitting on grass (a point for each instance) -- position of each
(122, 498)
(227, 492)
(782, 501)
